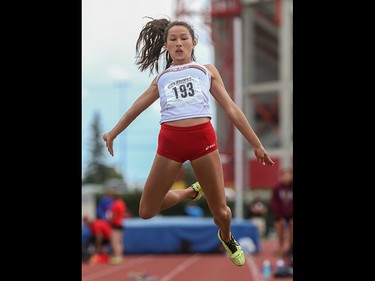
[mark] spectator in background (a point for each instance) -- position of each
(281, 204)
(104, 204)
(99, 239)
(101, 232)
(116, 216)
(257, 212)
(86, 239)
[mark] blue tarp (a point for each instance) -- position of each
(166, 234)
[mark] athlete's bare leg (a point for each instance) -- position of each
(290, 225)
(156, 195)
(279, 228)
(212, 182)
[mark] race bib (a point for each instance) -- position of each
(183, 92)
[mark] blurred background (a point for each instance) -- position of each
(251, 44)
(249, 41)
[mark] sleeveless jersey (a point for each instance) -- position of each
(184, 92)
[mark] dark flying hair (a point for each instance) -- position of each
(150, 42)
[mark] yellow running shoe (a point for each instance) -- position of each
(197, 187)
(115, 260)
(234, 250)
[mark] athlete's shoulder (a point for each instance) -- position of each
(210, 66)
(212, 69)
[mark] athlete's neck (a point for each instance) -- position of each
(179, 63)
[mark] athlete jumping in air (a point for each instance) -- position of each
(184, 88)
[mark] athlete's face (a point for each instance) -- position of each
(179, 44)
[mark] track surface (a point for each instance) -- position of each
(185, 267)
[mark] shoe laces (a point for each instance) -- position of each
(232, 245)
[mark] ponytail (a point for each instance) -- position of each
(150, 44)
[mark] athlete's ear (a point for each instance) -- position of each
(194, 43)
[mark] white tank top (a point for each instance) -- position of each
(184, 92)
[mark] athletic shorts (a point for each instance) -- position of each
(186, 143)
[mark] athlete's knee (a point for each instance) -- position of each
(222, 215)
(145, 213)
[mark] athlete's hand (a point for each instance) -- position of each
(109, 142)
(262, 156)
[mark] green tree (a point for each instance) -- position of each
(97, 172)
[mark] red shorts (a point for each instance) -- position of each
(186, 143)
